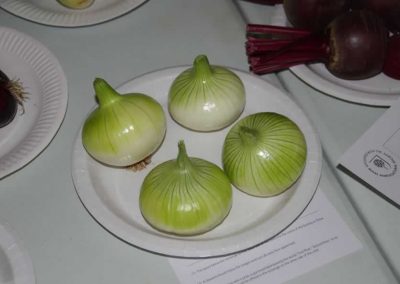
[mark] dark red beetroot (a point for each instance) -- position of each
(389, 10)
(352, 47)
(313, 15)
(358, 42)
(11, 94)
(392, 62)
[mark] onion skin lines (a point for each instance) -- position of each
(264, 154)
(124, 129)
(186, 196)
(206, 97)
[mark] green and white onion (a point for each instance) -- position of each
(123, 129)
(264, 154)
(206, 97)
(185, 196)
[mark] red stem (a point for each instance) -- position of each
(254, 47)
(268, 32)
(277, 48)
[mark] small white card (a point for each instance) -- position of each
(375, 157)
(317, 237)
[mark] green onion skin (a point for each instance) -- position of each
(185, 196)
(264, 154)
(123, 129)
(206, 97)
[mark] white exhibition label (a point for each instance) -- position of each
(375, 156)
(317, 237)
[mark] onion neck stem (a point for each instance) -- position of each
(201, 67)
(248, 135)
(104, 92)
(183, 159)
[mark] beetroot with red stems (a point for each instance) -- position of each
(352, 47)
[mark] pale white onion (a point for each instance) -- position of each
(206, 97)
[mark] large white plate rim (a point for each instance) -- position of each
(54, 98)
(18, 257)
(169, 245)
(341, 89)
(57, 15)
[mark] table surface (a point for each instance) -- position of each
(68, 246)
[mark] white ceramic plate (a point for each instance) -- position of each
(111, 195)
(15, 262)
(39, 71)
(50, 12)
(377, 91)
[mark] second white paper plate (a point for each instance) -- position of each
(54, 14)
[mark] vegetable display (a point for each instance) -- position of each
(206, 97)
(123, 129)
(353, 46)
(185, 196)
(315, 14)
(349, 36)
(264, 154)
(12, 94)
(76, 4)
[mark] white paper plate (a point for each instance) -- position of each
(111, 195)
(50, 12)
(15, 263)
(380, 90)
(42, 77)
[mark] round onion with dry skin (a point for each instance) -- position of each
(185, 196)
(264, 154)
(124, 130)
(206, 97)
